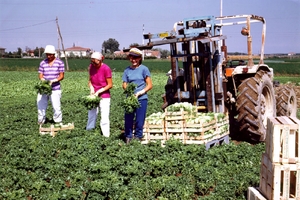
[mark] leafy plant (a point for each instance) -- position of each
(130, 103)
(90, 101)
(43, 87)
(85, 165)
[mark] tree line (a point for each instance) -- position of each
(108, 48)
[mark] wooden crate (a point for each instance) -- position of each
(52, 130)
(200, 131)
(254, 194)
(207, 131)
(180, 115)
(175, 130)
(154, 132)
(279, 181)
(282, 139)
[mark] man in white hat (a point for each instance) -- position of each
(51, 69)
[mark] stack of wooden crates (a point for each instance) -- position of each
(176, 125)
(280, 164)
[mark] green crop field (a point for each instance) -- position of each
(82, 164)
(280, 67)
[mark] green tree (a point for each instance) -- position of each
(134, 45)
(19, 52)
(164, 53)
(38, 51)
(111, 45)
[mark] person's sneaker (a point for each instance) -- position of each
(138, 139)
(127, 140)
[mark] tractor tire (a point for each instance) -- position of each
(286, 101)
(255, 103)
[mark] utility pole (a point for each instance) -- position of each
(62, 44)
(58, 50)
(143, 43)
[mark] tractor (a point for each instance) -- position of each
(209, 79)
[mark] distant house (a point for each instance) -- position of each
(151, 53)
(76, 51)
(147, 53)
(2, 50)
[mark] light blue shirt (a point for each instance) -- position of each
(137, 76)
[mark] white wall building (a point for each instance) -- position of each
(76, 51)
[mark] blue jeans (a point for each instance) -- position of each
(139, 115)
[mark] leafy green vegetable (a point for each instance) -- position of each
(90, 101)
(43, 87)
(188, 107)
(130, 103)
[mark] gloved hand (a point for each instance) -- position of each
(53, 81)
(92, 90)
(140, 93)
(99, 91)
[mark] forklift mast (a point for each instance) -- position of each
(203, 56)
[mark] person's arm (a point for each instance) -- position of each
(59, 78)
(149, 84)
(147, 88)
(107, 87)
(90, 85)
(124, 85)
(41, 76)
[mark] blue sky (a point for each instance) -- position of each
(87, 23)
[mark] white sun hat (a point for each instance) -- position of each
(97, 55)
(50, 49)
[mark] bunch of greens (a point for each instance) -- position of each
(130, 103)
(90, 101)
(185, 106)
(43, 87)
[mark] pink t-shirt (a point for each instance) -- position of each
(98, 78)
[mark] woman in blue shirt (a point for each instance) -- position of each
(140, 75)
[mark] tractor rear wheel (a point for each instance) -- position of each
(286, 101)
(255, 103)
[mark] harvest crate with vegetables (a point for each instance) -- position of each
(154, 128)
(202, 126)
(183, 122)
(175, 129)
(175, 119)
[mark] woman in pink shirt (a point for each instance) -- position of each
(100, 82)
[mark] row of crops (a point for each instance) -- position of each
(281, 66)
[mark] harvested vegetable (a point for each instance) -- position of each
(43, 87)
(90, 101)
(185, 106)
(131, 102)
